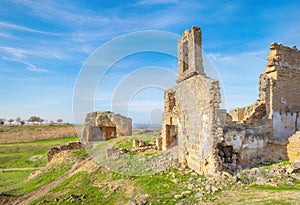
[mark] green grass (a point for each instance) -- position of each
(20, 186)
(80, 154)
(161, 187)
(279, 188)
(11, 178)
(22, 160)
(82, 184)
(277, 202)
(47, 142)
(97, 187)
(19, 155)
(128, 142)
(268, 165)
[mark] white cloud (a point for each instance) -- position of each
(24, 28)
(29, 66)
(33, 68)
(39, 52)
(88, 27)
(5, 35)
(17, 52)
(66, 13)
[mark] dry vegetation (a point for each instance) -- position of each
(27, 133)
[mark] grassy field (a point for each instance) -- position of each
(89, 183)
(28, 154)
(29, 133)
(18, 128)
(126, 142)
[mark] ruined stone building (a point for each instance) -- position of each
(104, 125)
(212, 140)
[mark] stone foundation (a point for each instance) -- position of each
(70, 146)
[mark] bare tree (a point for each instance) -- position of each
(2, 121)
(18, 120)
(31, 119)
(34, 119)
(10, 121)
(40, 120)
(59, 121)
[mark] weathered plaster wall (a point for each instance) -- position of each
(284, 125)
(274, 117)
(280, 83)
(242, 145)
(298, 122)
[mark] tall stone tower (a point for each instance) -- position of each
(191, 108)
(190, 54)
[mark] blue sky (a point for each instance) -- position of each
(44, 44)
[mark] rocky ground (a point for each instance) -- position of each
(72, 176)
(191, 188)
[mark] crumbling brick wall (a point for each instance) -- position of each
(279, 86)
(274, 118)
(211, 139)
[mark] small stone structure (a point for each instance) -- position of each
(104, 125)
(212, 140)
(139, 143)
(70, 146)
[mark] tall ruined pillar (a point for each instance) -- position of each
(190, 128)
(190, 54)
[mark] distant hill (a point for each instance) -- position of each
(146, 126)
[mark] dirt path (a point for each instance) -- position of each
(28, 198)
(258, 197)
